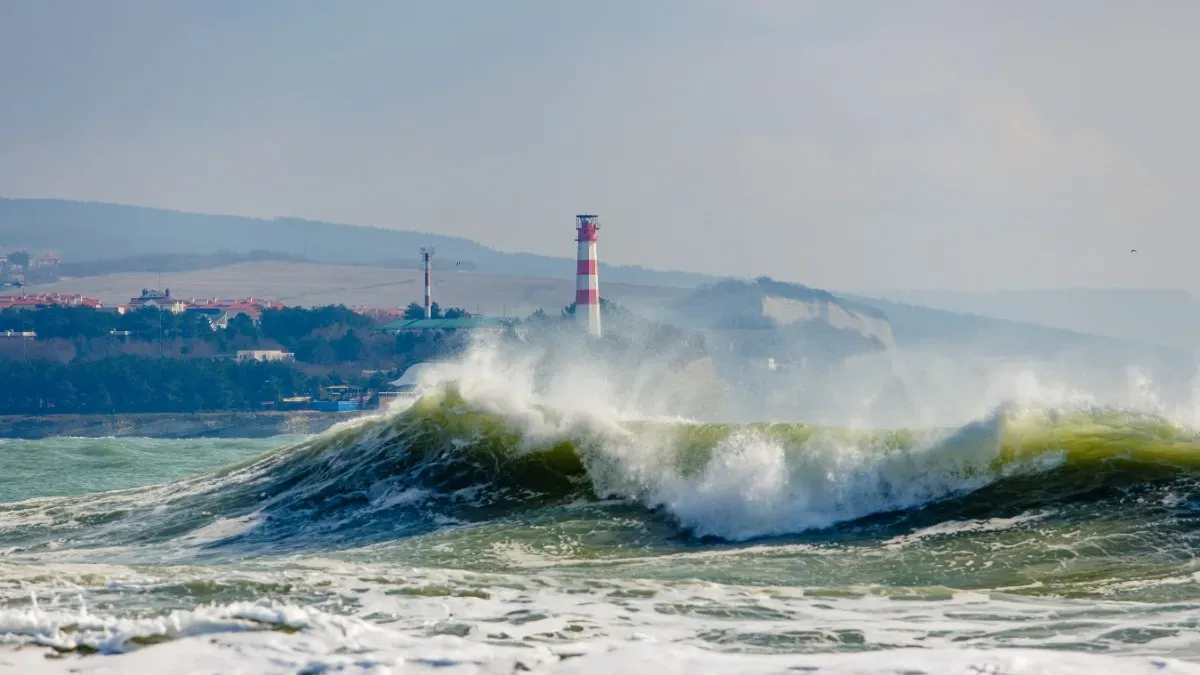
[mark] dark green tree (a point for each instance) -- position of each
(417, 311)
(242, 326)
(290, 325)
(128, 384)
(19, 258)
(349, 347)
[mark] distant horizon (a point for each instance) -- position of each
(1062, 289)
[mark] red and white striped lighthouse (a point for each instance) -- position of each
(587, 279)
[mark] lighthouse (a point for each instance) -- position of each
(587, 279)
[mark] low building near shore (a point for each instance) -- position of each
(295, 403)
(341, 398)
(247, 355)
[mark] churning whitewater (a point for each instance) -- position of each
(488, 529)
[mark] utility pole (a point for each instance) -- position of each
(160, 311)
(427, 258)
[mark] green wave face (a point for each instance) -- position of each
(1036, 500)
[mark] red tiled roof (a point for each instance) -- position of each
(47, 299)
(253, 306)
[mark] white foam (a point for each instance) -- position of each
(222, 528)
(289, 655)
(754, 486)
(561, 624)
(952, 527)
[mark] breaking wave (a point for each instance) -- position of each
(447, 461)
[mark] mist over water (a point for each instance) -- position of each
(570, 507)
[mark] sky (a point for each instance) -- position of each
(844, 144)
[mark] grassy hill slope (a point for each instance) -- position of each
(92, 230)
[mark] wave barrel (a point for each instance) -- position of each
(587, 279)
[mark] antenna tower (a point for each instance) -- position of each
(427, 258)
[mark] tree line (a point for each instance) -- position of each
(322, 335)
(93, 370)
(286, 326)
(129, 384)
(101, 373)
(417, 311)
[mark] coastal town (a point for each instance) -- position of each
(359, 354)
(354, 357)
(72, 353)
(159, 350)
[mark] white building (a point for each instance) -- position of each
(246, 355)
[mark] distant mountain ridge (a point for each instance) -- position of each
(1168, 317)
(98, 231)
(920, 326)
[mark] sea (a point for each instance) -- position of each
(487, 530)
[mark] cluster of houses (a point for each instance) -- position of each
(218, 311)
(36, 300)
(13, 273)
(350, 398)
(337, 398)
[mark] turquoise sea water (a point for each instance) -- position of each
(453, 537)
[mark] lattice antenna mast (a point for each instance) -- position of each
(427, 258)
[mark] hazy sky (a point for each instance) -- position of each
(843, 144)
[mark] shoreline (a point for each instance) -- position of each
(226, 424)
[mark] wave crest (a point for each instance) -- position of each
(449, 460)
